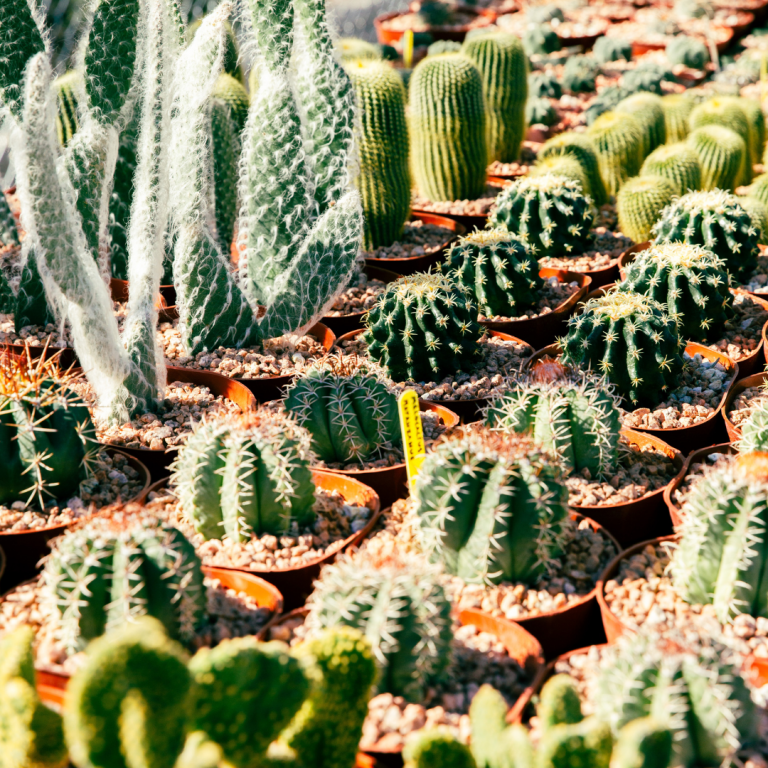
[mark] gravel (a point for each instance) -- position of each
(757, 282)
(553, 293)
(418, 239)
(696, 472)
(508, 169)
(744, 332)
(605, 249)
(742, 406)
(360, 296)
(34, 335)
(480, 207)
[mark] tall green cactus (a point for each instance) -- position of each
(618, 138)
(677, 108)
(640, 203)
(647, 109)
(583, 149)
(678, 164)
(722, 155)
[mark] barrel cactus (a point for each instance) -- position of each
(722, 155)
(422, 328)
(251, 476)
(727, 112)
(580, 147)
(677, 109)
(618, 138)
(608, 49)
(647, 110)
(630, 339)
(639, 204)
(551, 214)
(678, 164)
(753, 111)
(491, 507)
(496, 271)
(758, 212)
(687, 51)
(447, 126)
(562, 165)
(716, 221)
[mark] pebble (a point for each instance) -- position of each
(480, 207)
(695, 473)
(744, 332)
(418, 239)
(742, 406)
(604, 251)
(553, 293)
(358, 297)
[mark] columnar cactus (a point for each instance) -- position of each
(630, 339)
(727, 112)
(252, 476)
(639, 204)
(678, 164)
(576, 419)
(562, 165)
(384, 180)
(677, 109)
(579, 74)
(491, 508)
(503, 66)
(687, 51)
(552, 215)
(618, 138)
(422, 328)
(716, 221)
(754, 431)
(582, 148)
(646, 108)
(448, 131)
(495, 270)
(722, 155)
(608, 49)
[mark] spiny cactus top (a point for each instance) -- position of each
(677, 163)
(754, 431)
(400, 606)
(238, 478)
(716, 221)
(423, 328)
(491, 507)
(495, 270)
(687, 51)
(551, 214)
(575, 418)
(691, 281)
(630, 339)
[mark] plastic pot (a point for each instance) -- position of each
(387, 36)
(693, 458)
(23, 549)
(391, 483)
(640, 519)
(755, 380)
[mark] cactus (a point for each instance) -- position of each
(120, 201)
(759, 188)
(562, 165)
(608, 49)
(541, 112)
(422, 328)
(231, 52)
(630, 339)
(640, 202)
(350, 414)
(756, 128)
(687, 51)
(618, 138)
(754, 431)
(722, 154)
(646, 77)
(67, 87)
(604, 102)
(643, 743)
(726, 112)
(588, 743)
(678, 164)
(118, 566)
(244, 477)
(30, 306)
(495, 271)
(551, 215)
(491, 508)
(540, 14)
(576, 419)
(647, 110)
(582, 148)
(579, 74)
(503, 66)
(436, 748)
(9, 234)
(540, 39)
(559, 703)
(384, 179)
(447, 112)
(543, 85)
(443, 46)
(677, 109)
(758, 212)
(353, 49)
(716, 221)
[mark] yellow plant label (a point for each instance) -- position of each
(413, 434)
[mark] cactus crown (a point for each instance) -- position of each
(618, 305)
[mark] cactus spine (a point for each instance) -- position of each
(562, 165)
(646, 108)
(722, 155)
(754, 431)
(618, 138)
(726, 112)
(677, 109)
(640, 203)
(678, 164)
(581, 148)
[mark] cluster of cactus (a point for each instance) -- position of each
(579, 74)
(422, 328)
(618, 138)
(551, 214)
(716, 221)
(678, 164)
(238, 478)
(491, 507)
(608, 49)
(647, 110)
(582, 149)
(631, 340)
(687, 51)
(677, 109)
(639, 204)
(494, 269)
(399, 605)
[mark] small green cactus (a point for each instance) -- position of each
(604, 102)
(440, 47)
(687, 51)
(579, 74)
(643, 743)
(561, 165)
(436, 748)
(491, 736)
(646, 77)
(759, 188)
(587, 743)
(543, 85)
(726, 112)
(722, 155)
(9, 234)
(608, 49)
(583, 149)
(754, 431)
(677, 109)
(640, 203)
(559, 702)
(540, 112)
(646, 108)
(678, 164)
(753, 111)
(541, 39)
(758, 212)
(618, 138)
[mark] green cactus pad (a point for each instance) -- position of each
(678, 164)
(583, 149)
(618, 138)
(640, 203)
(722, 155)
(559, 702)
(643, 743)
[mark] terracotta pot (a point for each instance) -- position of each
(629, 255)
(466, 410)
(569, 38)
(66, 355)
(469, 221)
(640, 519)
(693, 458)
(391, 483)
(387, 36)
(756, 670)
(612, 625)
(755, 380)
(354, 320)
(544, 329)
(23, 549)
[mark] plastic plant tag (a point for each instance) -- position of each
(412, 432)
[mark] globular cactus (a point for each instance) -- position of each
(579, 74)
(677, 109)
(47, 438)
(646, 77)
(561, 165)
(491, 508)
(604, 102)
(758, 212)
(754, 431)
(435, 747)
(400, 606)
(618, 138)
(448, 128)
(583, 149)
(576, 419)
(503, 66)
(722, 155)
(422, 328)
(753, 111)
(350, 414)
(542, 85)
(643, 743)
(726, 112)
(384, 180)
(118, 566)
(245, 477)
(353, 49)
(541, 112)
(551, 214)
(494, 269)
(759, 188)
(630, 339)
(9, 234)
(691, 281)
(716, 221)
(687, 51)
(678, 164)
(647, 110)
(608, 49)
(640, 203)
(67, 87)
(540, 39)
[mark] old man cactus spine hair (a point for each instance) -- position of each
(647, 110)
(583, 149)
(618, 138)
(400, 606)
(754, 431)
(240, 478)
(422, 328)
(552, 215)
(630, 339)
(576, 419)
(716, 221)
(722, 155)
(503, 66)
(678, 164)
(447, 126)
(677, 109)
(384, 180)
(726, 112)
(491, 508)
(495, 270)
(640, 203)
